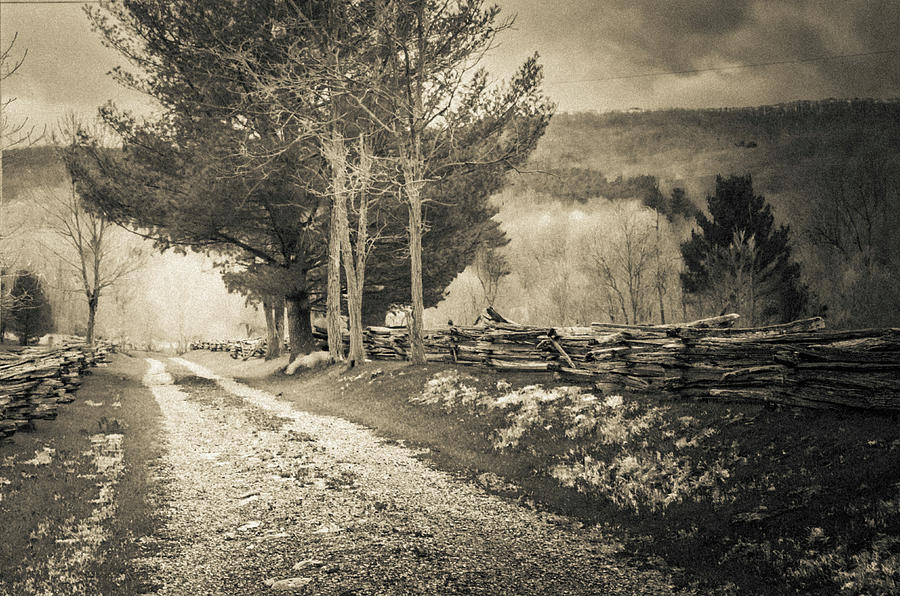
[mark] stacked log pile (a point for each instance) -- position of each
(392, 343)
(36, 381)
(216, 345)
(238, 348)
(796, 363)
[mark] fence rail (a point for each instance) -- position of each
(34, 382)
(797, 363)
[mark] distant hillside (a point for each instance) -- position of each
(782, 146)
(29, 168)
(830, 170)
(621, 155)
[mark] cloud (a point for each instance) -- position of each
(584, 44)
(65, 66)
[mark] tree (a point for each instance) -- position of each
(851, 227)
(736, 284)
(325, 54)
(31, 315)
(622, 259)
(429, 46)
(226, 131)
(350, 184)
(735, 209)
(490, 268)
(91, 246)
(389, 76)
(211, 172)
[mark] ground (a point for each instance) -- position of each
(168, 476)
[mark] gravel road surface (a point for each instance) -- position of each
(260, 498)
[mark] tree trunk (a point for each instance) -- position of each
(357, 353)
(659, 277)
(268, 311)
(413, 165)
(278, 308)
(662, 305)
(354, 268)
(354, 307)
(412, 173)
(417, 313)
(92, 317)
(333, 297)
(299, 327)
(333, 307)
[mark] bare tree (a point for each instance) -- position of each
(490, 268)
(662, 276)
(351, 183)
(738, 284)
(854, 216)
(94, 248)
(621, 258)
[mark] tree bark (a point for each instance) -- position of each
(354, 265)
(357, 353)
(662, 305)
(417, 313)
(92, 317)
(299, 326)
(268, 311)
(660, 290)
(278, 308)
(333, 307)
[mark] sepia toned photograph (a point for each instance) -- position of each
(436, 297)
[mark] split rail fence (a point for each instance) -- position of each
(34, 382)
(798, 363)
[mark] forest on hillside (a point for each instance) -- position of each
(599, 182)
(830, 171)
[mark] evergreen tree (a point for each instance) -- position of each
(30, 314)
(234, 164)
(735, 211)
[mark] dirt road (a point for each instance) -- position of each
(256, 497)
(261, 498)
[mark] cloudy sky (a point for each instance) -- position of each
(596, 53)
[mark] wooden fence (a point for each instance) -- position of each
(34, 382)
(797, 363)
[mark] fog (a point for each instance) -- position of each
(177, 298)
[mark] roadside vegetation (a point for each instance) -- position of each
(74, 492)
(765, 500)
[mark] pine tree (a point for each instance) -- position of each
(31, 314)
(736, 212)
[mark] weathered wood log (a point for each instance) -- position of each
(810, 324)
(32, 386)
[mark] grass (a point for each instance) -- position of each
(43, 505)
(765, 500)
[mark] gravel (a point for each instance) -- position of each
(261, 498)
